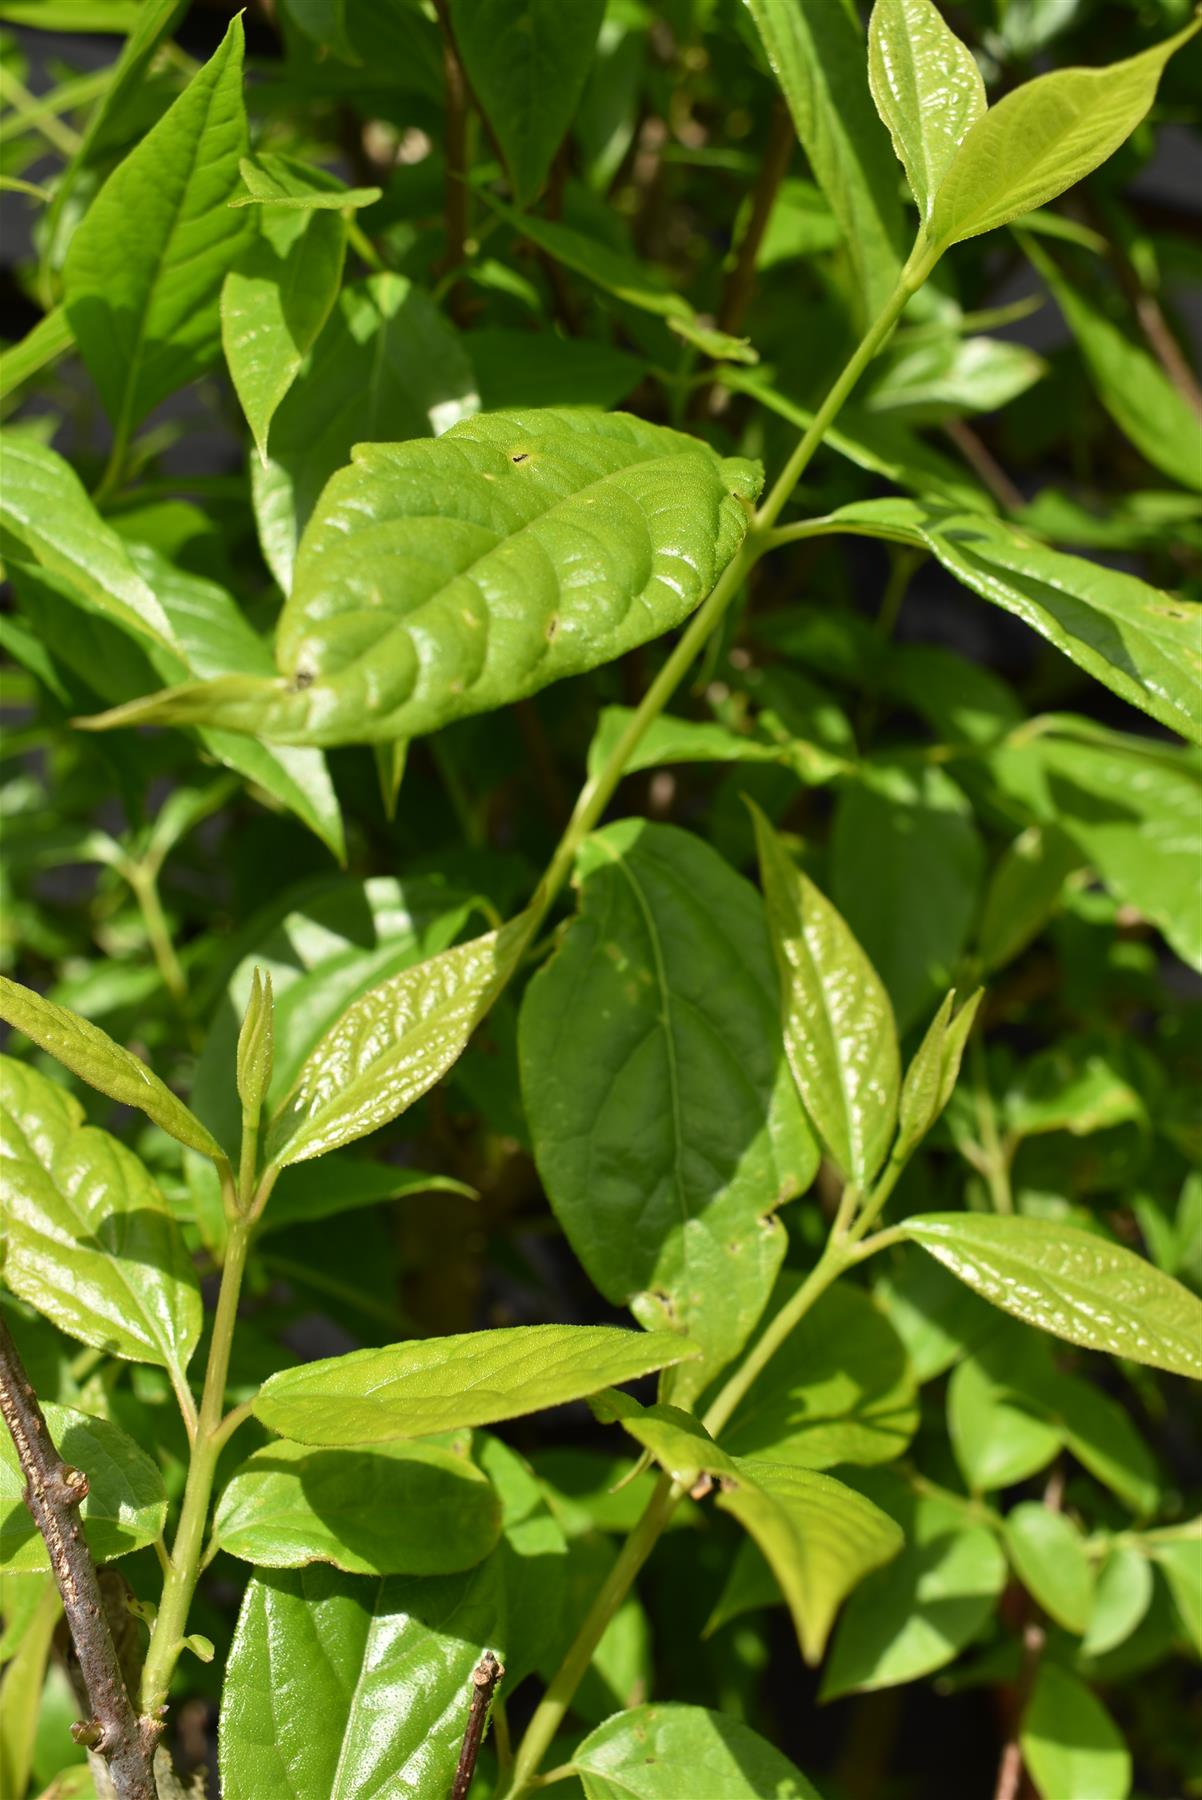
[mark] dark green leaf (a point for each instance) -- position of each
(125, 1506)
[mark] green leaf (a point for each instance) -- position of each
(1000, 1437)
(816, 50)
(533, 1557)
(666, 1133)
(125, 1506)
(1049, 1557)
(1121, 1598)
(839, 1390)
(49, 339)
(936, 379)
(1042, 138)
(280, 291)
(1070, 1744)
(1100, 1433)
(403, 1509)
(932, 1075)
(527, 61)
(92, 1055)
(1177, 1551)
(906, 865)
(1023, 892)
(680, 1752)
(46, 515)
(917, 1614)
(392, 1044)
(672, 740)
(349, 1687)
(89, 1239)
(478, 539)
(256, 1045)
(143, 275)
(438, 1384)
(927, 88)
(282, 181)
(515, 369)
(1127, 378)
(839, 1032)
(1071, 1283)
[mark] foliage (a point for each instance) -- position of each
(826, 1071)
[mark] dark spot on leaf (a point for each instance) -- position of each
(302, 679)
(552, 627)
(520, 457)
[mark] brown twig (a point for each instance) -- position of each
(485, 1677)
(1147, 308)
(740, 285)
(53, 1492)
(984, 464)
(455, 147)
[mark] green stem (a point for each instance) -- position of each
(996, 1159)
(831, 1264)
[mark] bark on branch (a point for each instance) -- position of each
(53, 1493)
(485, 1677)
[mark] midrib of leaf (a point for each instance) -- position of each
(353, 1699)
(1046, 149)
(854, 1139)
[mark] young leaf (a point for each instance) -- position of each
(839, 1032)
(283, 182)
(1023, 892)
(1072, 1283)
(256, 1044)
(438, 1384)
(927, 88)
(391, 1045)
(289, 1506)
(89, 1239)
(1049, 1557)
(1121, 1598)
(667, 1131)
(1071, 1746)
(278, 294)
(527, 61)
(92, 1055)
(816, 50)
(436, 580)
(680, 1752)
(932, 1076)
(673, 740)
(143, 274)
(1042, 138)
(125, 1506)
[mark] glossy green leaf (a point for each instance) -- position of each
(143, 275)
(927, 88)
(817, 54)
(1042, 138)
(350, 1687)
(256, 1045)
(1122, 1595)
(668, 1132)
(916, 1614)
(1070, 1744)
(533, 1557)
(906, 865)
(936, 379)
(281, 181)
(839, 1390)
(89, 1239)
(125, 1506)
(391, 1045)
(478, 540)
(839, 1032)
(527, 61)
(1071, 1283)
(932, 1075)
(1049, 1557)
(438, 1384)
(672, 740)
(402, 1509)
(1023, 892)
(46, 515)
(94, 1056)
(680, 1752)
(279, 293)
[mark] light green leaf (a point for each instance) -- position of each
(906, 864)
(143, 273)
(49, 339)
(839, 1390)
(1122, 1596)
(527, 61)
(946, 377)
(1071, 1086)
(1049, 1557)
(279, 293)
(667, 1134)
(1000, 1436)
(477, 540)
(46, 515)
(817, 54)
(1102, 1436)
(125, 1506)
(932, 1076)
(282, 181)
(93, 1055)
(88, 1238)
(927, 88)
(438, 1384)
(256, 1045)
(672, 740)
(1071, 1283)
(1042, 138)
(392, 1044)
(1177, 1551)
(401, 1509)
(1023, 892)
(1070, 1744)
(349, 1687)
(680, 1752)
(21, 1692)
(916, 1614)
(839, 1032)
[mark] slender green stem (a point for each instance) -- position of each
(830, 1265)
(146, 893)
(876, 1201)
(362, 244)
(996, 1158)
